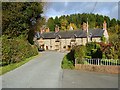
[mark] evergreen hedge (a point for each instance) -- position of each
(15, 50)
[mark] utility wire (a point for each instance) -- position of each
(94, 7)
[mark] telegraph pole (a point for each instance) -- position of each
(87, 22)
(87, 31)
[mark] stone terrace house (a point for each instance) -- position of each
(64, 40)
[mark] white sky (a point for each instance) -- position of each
(53, 9)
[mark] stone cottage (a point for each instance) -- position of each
(65, 40)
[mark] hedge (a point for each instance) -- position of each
(15, 50)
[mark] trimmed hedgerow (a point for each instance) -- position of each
(15, 50)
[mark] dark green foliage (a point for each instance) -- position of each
(31, 36)
(97, 53)
(114, 51)
(68, 61)
(118, 22)
(93, 50)
(19, 22)
(113, 22)
(16, 49)
(57, 22)
(51, 24)
(99, 21)
(16, 17)
(103, 39)
(79, 53)
(107, 19)
(95, 21)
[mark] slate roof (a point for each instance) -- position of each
(76, 33)
(49, 35)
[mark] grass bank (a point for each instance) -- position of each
(13, 66)
(67, 63)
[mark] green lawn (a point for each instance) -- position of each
(10, 67)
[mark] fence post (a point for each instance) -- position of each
(117, 61)
(75, 61)
(98, 61)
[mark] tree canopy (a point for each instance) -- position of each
(94, 20)
(19, 17)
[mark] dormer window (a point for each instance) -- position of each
(90, 35)
(73, 37)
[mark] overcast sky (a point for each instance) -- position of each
(53, 9)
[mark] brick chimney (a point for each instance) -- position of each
(104, 25)
(84, 26)
(47, 30)
(42, 30)
(56, 28)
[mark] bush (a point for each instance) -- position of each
(80, 53)
(15, 50)
(93, 50)
(66, 63)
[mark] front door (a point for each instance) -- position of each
(46, 47)
(57, 45)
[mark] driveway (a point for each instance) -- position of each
(82, 79)
(41, 72)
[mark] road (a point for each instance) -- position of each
(84, 79)
(42, 72)
(45, 72)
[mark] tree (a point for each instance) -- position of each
(51, 24)
(79, 53)
(118, 22)
(72, 25)
(113, 22)
(107, 19)
(64, 24)
(39, 23)
(99, 21)
(17, 16)
(57, 22)
(91, 20)
(114, 40)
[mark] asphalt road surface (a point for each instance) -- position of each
(42, 72)
(45, 72)
(84, 79)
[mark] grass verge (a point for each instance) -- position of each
(10, 67)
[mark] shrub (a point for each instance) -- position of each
(69, 60)
(16, 49)
(67, 63)
(93, 50)
(103, 39)
(80, 53)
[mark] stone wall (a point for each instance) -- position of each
(46, 44)
(99, 68)
(97, 39)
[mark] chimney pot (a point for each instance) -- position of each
(56, 28)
